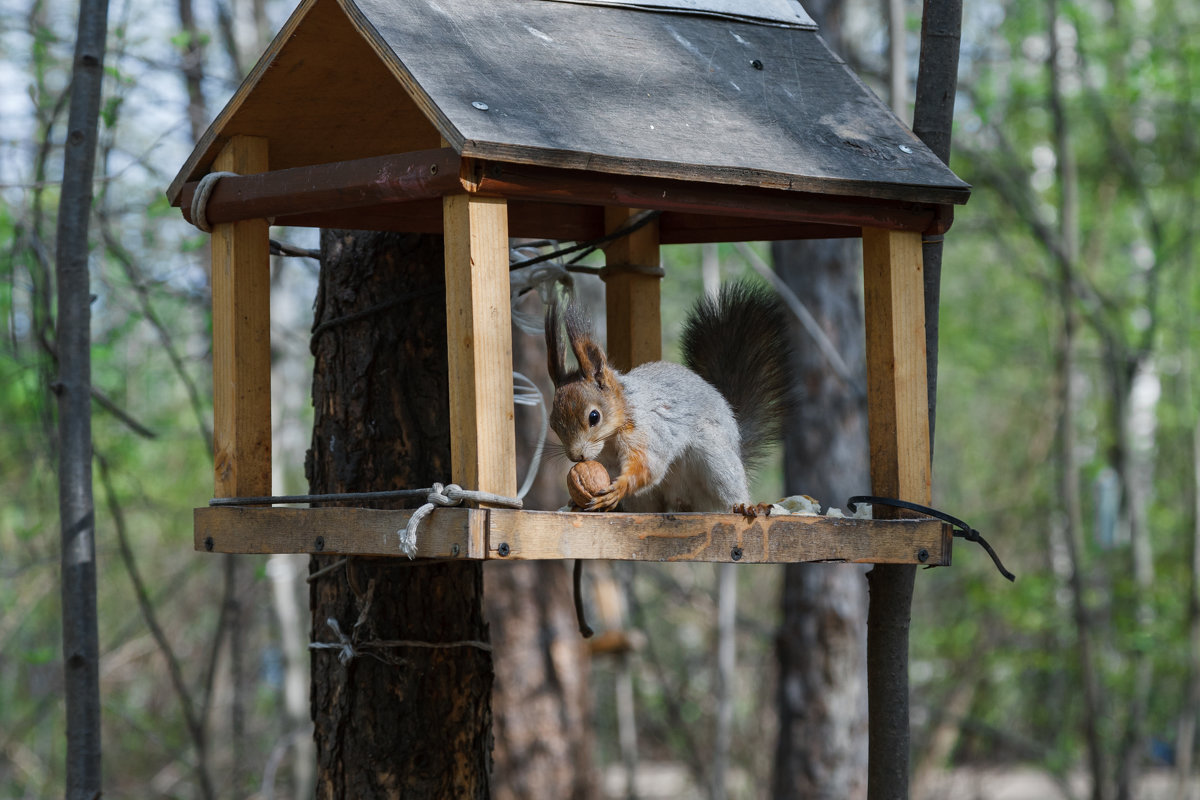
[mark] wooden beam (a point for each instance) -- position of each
(894, 291)
(384, 180)
(241, 339)
(898, 410)
(631, 299)
(479, 335)
(548, 535)
(667, 194)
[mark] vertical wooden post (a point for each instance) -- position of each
(899, 435)
(241, 267)
(632, 300)
(479, 336)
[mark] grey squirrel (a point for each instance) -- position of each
(678, 438)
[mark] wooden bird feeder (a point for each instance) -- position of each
(490, 119)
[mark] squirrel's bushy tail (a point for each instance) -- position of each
(738, 342)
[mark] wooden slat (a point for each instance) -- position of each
(479, 336)
(631, 301)
(542, 535)
(241, 339)
(714, 537)
(898, 409)
(334, 531)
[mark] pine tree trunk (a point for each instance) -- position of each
(822, 651)
(396, 720)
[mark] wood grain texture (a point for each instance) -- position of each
(636, 93)
(334, 531)
(632, 301)
(241, 320)
(897, 392)
(548, 535)
(479, 337)
(319, 94)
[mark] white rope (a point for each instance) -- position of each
(347, 653)
(200, 198)
(526, 393)
(542, 277)
(345, 648)
(451, 495)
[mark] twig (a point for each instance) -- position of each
(195, 729)
(108, 405)
(804, 316)
(133, 273)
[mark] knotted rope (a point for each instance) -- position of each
(200, 198)
(451, 495)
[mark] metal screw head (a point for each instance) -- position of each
(320, 543)
(208, 543)
(905, 148)
(482, 106)
(503, 549)
(922, 555)
(433, 169)
(756, 64)
(736, 554)
(454, 549)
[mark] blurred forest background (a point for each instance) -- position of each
(1067, 430)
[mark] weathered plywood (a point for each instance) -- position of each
(636, 93)
(447, 533)
(715, 537)
(540, 535)
(241, 321)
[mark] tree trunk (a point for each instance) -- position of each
(81, 660)
(540, 699)
(397, 719)
(821, 751)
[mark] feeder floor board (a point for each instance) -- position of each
(549, 535)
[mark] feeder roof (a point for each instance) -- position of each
(602, 88)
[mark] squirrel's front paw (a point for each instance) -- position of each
(607, 499)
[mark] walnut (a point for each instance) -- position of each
(585, 480)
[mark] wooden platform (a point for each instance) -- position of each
(540, 535)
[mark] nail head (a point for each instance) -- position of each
(736, 554)
(320, 543)
(503, 549)
(756, 64)
(208, 543)
(482, 106)
(922, 555)
(905, 148)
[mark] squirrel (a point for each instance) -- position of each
(678, 438)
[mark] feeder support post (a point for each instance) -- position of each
(479, 339)
(241, 320)
(632, 299)
(898, 420)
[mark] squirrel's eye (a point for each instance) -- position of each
(594, 418)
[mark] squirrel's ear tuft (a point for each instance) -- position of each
(591, 358)
(556, 351)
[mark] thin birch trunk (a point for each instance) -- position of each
(1185, 744)
(81, 661)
